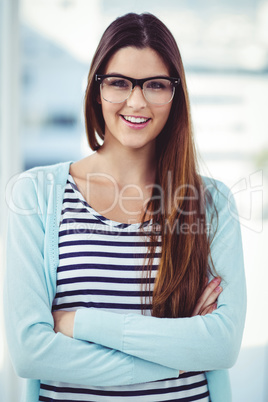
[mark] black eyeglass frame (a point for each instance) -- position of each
(138, 82)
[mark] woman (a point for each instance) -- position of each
(131, 229)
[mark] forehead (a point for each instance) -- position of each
(137, 63)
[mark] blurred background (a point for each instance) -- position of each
(46, 49)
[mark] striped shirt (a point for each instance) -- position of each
(100, 266)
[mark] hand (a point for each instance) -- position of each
(207, 302)
(64, 322)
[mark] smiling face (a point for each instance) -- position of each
(135, 123)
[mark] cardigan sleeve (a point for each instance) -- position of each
(37, 352)
(210, 342)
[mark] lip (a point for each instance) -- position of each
(136, 126)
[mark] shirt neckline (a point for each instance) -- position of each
(103, 219)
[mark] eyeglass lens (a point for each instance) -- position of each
(117, 89)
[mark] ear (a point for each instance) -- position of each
(99, 99)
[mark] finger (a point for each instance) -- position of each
(206, 298)
(202, 301)
(212, 298)
(209, 309)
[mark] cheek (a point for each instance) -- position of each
(109, 110)
(164, 115)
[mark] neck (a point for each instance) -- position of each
(127, 166)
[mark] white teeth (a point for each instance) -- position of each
(133, 119)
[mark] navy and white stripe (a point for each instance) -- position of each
(100, 265)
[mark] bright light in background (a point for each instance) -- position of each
(72, 24)
(77, 25)
(262, 31)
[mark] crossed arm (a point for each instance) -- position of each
(209, 340)
(207, 303)
(108, 348)
(108, 329)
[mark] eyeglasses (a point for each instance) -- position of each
(157, 90)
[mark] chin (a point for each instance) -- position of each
(135, 144)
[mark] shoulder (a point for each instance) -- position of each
(33, 186)
(53, 173)
(221, 206)
(57, 172)
(215, 187)
(219, 192)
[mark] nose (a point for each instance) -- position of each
(136, 99)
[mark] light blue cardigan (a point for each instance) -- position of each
(126, 348)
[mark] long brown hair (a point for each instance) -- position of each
(181, 217)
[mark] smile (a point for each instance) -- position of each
(136, 120)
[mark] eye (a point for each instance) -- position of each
(156, 84)
(117, 82)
